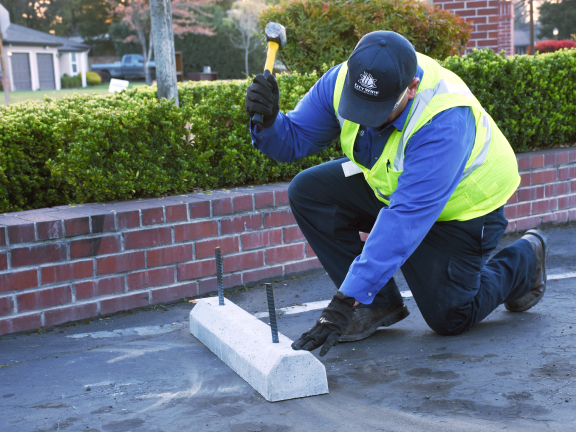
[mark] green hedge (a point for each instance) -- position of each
(129, 145)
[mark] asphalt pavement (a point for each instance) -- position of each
(144, 371)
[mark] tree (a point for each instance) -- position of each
(560, 15)
(135, 15)
(244, 18)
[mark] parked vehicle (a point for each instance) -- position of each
(131, 67)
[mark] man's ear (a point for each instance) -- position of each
(413, 88)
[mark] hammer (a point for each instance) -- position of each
(276, 37)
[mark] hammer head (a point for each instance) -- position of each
(275, 33)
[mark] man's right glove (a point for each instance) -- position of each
(262, 97)
(333, 322)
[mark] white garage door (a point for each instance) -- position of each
(21, 71)
(46, 71)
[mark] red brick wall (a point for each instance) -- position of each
(492, 22)
(75, 262)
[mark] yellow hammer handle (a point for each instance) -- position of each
(271, 55)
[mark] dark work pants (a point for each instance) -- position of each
(452, 283)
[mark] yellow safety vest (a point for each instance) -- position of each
(491, 173)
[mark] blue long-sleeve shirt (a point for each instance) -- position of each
(433, 165)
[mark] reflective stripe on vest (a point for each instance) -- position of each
(476, 194)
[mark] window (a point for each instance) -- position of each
(74, 63)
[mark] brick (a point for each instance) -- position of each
(453, 5)
(550, 159)
(18, 280)
(487, 43)
(493, 35)
(77, 226)
(103, 223)
(199, 209)
(479, 35)
(120, 263)
(170, 294)
(44, 298)
(221, 206)
(476, 20)
(572, 156)
(147, 238)
(562, 157)
(207, 248)
(211, 285)
(513, 199)
(511, 227)
(566, 202)
(487, 27)
(309, 251)
(517, 210)
(150, 278)
(3, 261)
(95, 246)
(264, 199)
(279, 218)
(476, 4)
(494, 19)
(2, 236)
(6, 306)
(20, 323)
(243, 261)
(128, 219)
(23, 233)
(524, 163)
(293, 234)
(49, 230)
(528, 223)
(525, 179)
(195, 230)
(152, 216)
(465, 12)
(243, 203)
(555, 189)
(487, 11)
(544, 206)
(100, 287)
(301, 266)
(41, 254)
(284, 253)
(567, 173)
(66, 272)
(573, 186)
(537, 161)
(259, 239)
(66, 314)
(556, 217)
(169, 255)
(281, 198)
(176, 213)
(547, 176)
(530, 193)
(572, 215)
(197, 269)
(261, 274)
(123, 303)
(241, 223)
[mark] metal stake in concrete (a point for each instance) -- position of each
(219, 276)
(272, 312)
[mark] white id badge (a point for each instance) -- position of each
(350, 169)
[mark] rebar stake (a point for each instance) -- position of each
(272, 313)
(219, 277)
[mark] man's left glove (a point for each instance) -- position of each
(262, 97)
(333, 322)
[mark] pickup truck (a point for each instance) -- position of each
(131, 67)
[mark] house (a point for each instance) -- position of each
(36, 60)
(522, 40)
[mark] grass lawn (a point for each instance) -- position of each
(21, 96)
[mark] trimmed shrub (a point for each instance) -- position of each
(93, 78)
(326, 32)
(549, 46)
(130, 145)
(67, 81)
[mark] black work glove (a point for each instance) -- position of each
(262, 97)
(333, 322)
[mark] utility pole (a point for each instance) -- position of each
(532, 27)
(164, 53)
(5, 80)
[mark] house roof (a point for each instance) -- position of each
(19, 35)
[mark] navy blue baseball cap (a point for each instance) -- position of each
(379, 70)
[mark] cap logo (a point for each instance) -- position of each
(367, 84)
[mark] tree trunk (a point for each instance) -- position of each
(246, 52)
(163, 37)
(146, 56)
